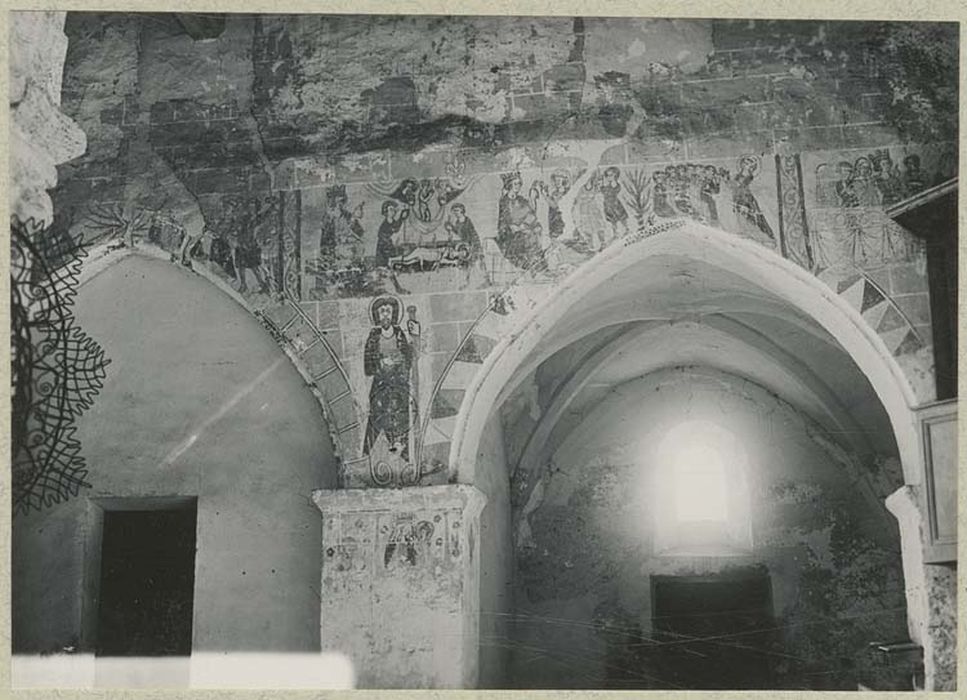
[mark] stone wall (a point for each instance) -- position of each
(41, 135)
(942, 624)
(315, 170)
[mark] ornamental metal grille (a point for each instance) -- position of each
(56, 370)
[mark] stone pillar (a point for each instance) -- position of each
(400, 583)
(931, 594)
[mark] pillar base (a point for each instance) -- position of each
(400, 580)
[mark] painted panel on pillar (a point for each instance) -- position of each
(397, 587)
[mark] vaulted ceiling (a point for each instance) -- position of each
(679, 311)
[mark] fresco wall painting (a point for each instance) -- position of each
(390, 257)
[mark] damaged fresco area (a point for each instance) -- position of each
(589, 558)
(397, 574)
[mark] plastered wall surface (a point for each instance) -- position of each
(198, 401)
(496, 559)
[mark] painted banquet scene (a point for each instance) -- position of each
(402, 352)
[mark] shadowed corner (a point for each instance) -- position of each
(327, 671)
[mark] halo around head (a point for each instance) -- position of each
(382, 300)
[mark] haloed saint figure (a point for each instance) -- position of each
(387, 358)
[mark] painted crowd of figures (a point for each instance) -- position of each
(236, 245)
(599, 215)
(431, 224)
(875, 180)
(849, 193)
(600, 207)
(694, 190)
(241, 240)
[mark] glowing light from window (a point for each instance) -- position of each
(700, 495)
(696, 458)
(700, 488)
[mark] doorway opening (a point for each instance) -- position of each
(715, 632)
(147, 581)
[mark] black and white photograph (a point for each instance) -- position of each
(483, 351)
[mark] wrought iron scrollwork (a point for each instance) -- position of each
(56, 370)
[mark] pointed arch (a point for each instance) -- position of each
(778, 279)
(296, 334)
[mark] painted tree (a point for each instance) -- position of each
(638, 186)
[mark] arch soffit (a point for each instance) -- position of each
(600, 319)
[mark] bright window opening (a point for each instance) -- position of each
(701, 498)
(701, 491)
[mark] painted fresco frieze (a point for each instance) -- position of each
(540, 219)
(420, 261)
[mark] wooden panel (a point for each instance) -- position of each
(939, 432)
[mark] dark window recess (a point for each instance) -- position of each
(932, 216)
(942, 267)
(147, 583)
(714, 632)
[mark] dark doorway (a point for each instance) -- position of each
(147, 582)
(714, 632)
